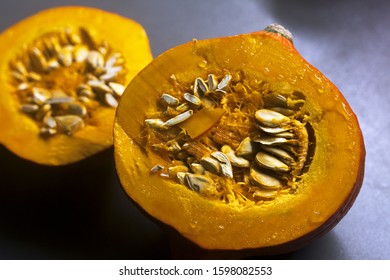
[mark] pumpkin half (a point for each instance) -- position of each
(239, 143)
(62, 72)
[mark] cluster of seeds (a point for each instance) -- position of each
(62, 77)
(252, 164)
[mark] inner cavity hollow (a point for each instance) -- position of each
(231, 140)
(62, 77)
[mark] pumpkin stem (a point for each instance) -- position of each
(279, 29)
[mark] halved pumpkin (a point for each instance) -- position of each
(202, 102)
(46, 61)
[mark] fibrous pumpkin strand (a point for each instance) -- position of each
(250, 154)
(67, 75)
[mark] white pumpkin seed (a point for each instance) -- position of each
(179, 118)
(271, 118)
(169, 99)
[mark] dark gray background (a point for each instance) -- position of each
(76, 214)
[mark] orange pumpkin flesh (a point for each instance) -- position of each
(322, 195)
(19, 131)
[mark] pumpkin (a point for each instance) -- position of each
(239, 144)
(62, 72)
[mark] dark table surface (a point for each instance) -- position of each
(78, 213)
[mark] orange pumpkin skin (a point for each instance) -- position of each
(19, 132)
(325, 192)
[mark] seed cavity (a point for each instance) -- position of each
(66, 74)
(256, 152)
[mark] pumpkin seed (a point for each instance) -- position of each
(246, 147)
(65, 55)
(280, 153)
(169, 99)
(211, 164)
(77, 109)
(110, 100)
(192, 99)
(95, 59)
(155, 123)
(226, 167)
(224, 83)
(29, 108)
(81, 53)
(156, 168)
(271, 118)
(200, 87)
(69, 124)
(179, 118)
(197, 182)
(59, 100)
(264, 180)
(212, 82)
(270, 162)
(117, 88)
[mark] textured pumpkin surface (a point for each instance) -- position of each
(322, 195)
(19, 132)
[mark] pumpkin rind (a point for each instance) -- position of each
(325, 192)
(19, 133)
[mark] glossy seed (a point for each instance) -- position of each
(112, 59)
(69, 124)
(274, 130)
(270, 162)
(245, 148)
(212, 82)
(156, 168)
(200, 87)
(169, 99)
(29, 108)
(197, 182)
(110, 100)
(224, 83)
(59, 100)
(77, 109)
(37, 60)
(117, 88)
(179, 118)
(40, 95)
(192, 99)
(99, 86)
(226, 167)
(49, 122)
(280, 153)
(155, 123)
(81, 53)
(95, 59)
(264, 180)
(271, 118)
(65, 55)
(270, 141)
(211, 164)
